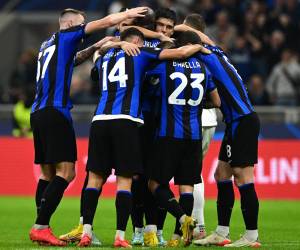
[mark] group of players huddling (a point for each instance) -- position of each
(155, 80)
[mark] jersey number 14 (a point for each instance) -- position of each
(196, 84)
(119, 68)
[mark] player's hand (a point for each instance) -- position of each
(165, 38)
(205, 50)
(137, 12)
(106, 39)
(130, 49)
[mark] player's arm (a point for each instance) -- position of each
(181, 53)
(214, 65)
(113, 19)
(150, 34)
(213, 100)
(85, 54)
(129, 48)
(204, 38)
(96, 55)
(212, 97)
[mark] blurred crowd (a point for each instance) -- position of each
(261, 38)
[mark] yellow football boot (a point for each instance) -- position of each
(150, 239)
(187, 229)
(74, 235)
(173, 243)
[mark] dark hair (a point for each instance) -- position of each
(123, 9)
(195, 21)
(187, 37)
(73, 11)
(166, 45)
(147, 21)
(131, 32)
(166, 13)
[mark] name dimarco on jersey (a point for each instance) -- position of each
(150, 44)
(188, 65)
(113, 54)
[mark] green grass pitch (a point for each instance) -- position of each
(279, 222)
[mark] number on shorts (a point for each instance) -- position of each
(228, 150)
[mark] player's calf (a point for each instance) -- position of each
(249, 201)
(123, 208)
(89, 205)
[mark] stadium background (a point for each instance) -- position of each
(261, 38)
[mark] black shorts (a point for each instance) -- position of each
(114, 144)
(147, 135)
(240, 143)
(178, 158)
(54, 137)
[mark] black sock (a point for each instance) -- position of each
(82, 193)
(225, 202)
(123, 208)
(89, 204)
(166, 199)
(186, 201)
(40, 189)
(137, 214)
(161, 217)
(249, 205)
(50, 199)
(151, 212)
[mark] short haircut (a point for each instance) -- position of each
(146, 22)
(187, 37)
(130, 33)
(195, 21)
(166, 13)
(72, 11)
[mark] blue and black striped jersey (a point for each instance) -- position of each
(121, 77)
(55, 68)
(150, 90)
(235, 102)
(183, 86)
(151, 43)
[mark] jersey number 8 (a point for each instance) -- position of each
(196, 84)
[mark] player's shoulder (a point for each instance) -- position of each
(113, 52)
(151, 43)
(150, 49)
(76, 28)
(214, 48)
(48, 42)
(196, 59)
(149, 53)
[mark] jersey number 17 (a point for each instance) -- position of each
(48, 53)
